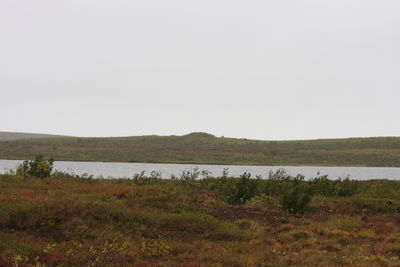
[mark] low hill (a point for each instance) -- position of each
(11, 136)
(203, 148)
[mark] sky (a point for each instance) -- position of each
(259, 69)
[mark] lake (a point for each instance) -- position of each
(127, 170)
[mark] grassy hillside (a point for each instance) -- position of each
(208, 149)
(70, 221)
(11, 136)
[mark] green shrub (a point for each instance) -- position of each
(297, 196)
(294, 192)
(244, 189)
(276, 183)
(342, 187)
(346, 187)
(142, 179)
(189, 177)
(39, 167)
(235, 191)
(322, 186)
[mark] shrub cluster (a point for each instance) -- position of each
(242, 190)
(39, 167)
(293, 193)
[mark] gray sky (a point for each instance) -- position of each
(256, 69)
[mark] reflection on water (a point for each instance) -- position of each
(120, 170)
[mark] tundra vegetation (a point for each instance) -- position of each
(196, 220)
(208, 149)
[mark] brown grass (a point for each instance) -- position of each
(78, 222)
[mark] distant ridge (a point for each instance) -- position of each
(11, 136)
(204, 148)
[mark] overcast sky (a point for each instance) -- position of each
(260, 69)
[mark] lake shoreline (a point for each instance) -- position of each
(124, 169)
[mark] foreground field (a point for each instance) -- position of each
(203, 148)
(146, 221)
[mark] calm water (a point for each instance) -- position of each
(127, 170)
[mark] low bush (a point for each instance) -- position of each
(346, 187)
(243, 190)
(297, 196)
(293, 192)
(39, 167)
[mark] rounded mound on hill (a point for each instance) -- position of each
(199, 135)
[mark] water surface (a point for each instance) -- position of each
(127, 170)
